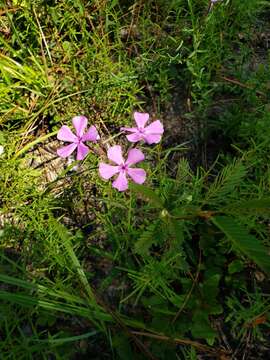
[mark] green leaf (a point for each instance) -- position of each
(210, 288)
(201, 327)
(53, 305)
(243, 241)
(151, 236)
(209, 292)
(177, 231)
(225, 183)
(59, 341)
(235, 266)
(122, 346)
(253, 205)
(147, 194)
(66, 238)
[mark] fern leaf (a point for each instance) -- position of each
(243, 241)
(259, 206)
(226, 182)
(151, 236)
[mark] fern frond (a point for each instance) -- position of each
(253, 206)
(183, 172)
(225, 183)
(167, 191)
(151, 236)
(243, 241)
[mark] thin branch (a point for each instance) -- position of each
(124, 327)
(190, 291)
(3, 12)
(195, 344)
(245, 86)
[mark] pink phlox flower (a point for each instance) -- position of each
(150, 134)
(123, 168)
(77, 140)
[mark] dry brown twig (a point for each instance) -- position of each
(245, 86)
(201, 347)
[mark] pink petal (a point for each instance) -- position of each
(115, 154)
(155, 128)
(141, 119)
(66, 150)
(79, 123)
(135, 137)
(65, 134)
(91, 134)
(152, 139)
(107, 171)
(134, 156)
(82, 151)
(137, 175)
(121, 183)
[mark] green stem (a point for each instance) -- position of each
(33, 143)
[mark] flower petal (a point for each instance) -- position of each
(79, 123)
(115, 154)
(66, 150)
(152, 139)
(137, 175)
(91, 134)
(141, 118)
(134, 156)
(65, 134)
(82, 151)
(121, 183)
(135, 137)
(106, 171)
(155, 128)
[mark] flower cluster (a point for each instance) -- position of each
(150, 134)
